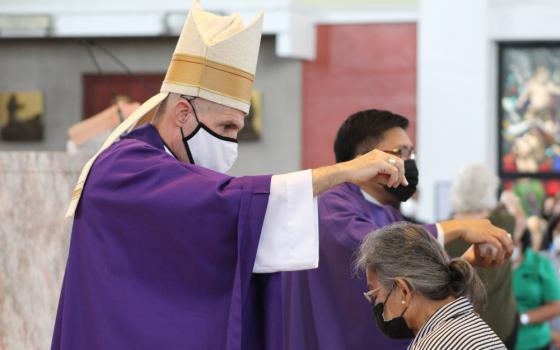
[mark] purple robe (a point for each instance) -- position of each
(161, 257)
(325, 308)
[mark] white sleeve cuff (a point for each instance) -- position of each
(290, 233)
(440, 235)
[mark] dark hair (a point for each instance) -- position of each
(426, 267)
(549, 233)
(525, 240)
(363, 130)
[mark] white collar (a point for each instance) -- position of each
(370, 199)
(168, 151)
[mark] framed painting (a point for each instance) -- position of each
(21, 116)
(529, 110)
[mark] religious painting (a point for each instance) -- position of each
(21, 116)
(529, 110)
(253, 120)
(532, 193)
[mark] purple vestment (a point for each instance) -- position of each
(161, 257)
(325, 308)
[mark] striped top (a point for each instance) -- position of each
(456, 326)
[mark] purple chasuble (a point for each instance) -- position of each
(161, 257)
(325, 308)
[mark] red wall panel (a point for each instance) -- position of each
(357, 67)
(100, 90)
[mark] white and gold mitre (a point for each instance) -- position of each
(215, 59)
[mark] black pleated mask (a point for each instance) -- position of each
(403, 193)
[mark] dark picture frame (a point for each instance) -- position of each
(529, 110)
(21, 116)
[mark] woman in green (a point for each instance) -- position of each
(537, 291)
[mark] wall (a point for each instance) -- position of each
(357, 67)
(346, 3)
(55, 66)
(279, 149)
(457, 80)
(453, 92)
(34, 239)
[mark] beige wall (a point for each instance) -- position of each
(353, 3)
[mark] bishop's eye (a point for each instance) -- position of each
(230, 127)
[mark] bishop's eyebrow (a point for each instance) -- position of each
(230, 123)
(233, 121)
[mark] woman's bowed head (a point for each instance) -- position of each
(410, 278)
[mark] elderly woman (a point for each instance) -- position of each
(416, 292)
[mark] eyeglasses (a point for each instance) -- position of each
(371, 295)
(402, 153)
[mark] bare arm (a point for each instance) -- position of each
(544, 313)
(383, 167)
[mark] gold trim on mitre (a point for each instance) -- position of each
(196, 71)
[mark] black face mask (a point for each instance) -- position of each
(395, 328)
(403, 193)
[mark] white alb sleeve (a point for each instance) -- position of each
(290, 233)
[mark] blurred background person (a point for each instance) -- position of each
(513, 205)
(552, 237)
(551, 214)
(473, 196)
(537, 292)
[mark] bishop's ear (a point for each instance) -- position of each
(181, 112)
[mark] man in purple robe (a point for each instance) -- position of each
(167, 252)
(325, 308)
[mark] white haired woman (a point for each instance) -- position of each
(417, 292)
(474, 196)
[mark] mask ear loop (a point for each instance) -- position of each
(387, 298)
(388, 295)
(190, 99)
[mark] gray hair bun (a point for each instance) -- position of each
(464, 281)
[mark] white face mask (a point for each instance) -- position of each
(210, 150)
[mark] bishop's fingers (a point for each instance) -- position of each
(399, 165)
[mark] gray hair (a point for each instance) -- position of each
(408, 251)
(169, 101)
(474, 190)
